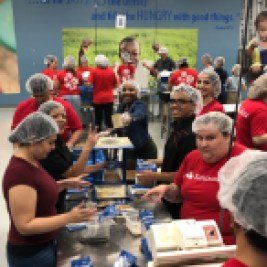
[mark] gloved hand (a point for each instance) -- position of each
(126, 118)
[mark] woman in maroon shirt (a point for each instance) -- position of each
(31, 194)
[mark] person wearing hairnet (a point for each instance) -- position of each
(196, 182)
(184, 74)
(243, 193)
(59, 163)
(104, 81)
(219, 69)
(51, 63)
(206, 60)
(185, 103)
(209, 84)
(67, 84)
(40, 87)
(251, 124)
(31, 194)
(135, 121)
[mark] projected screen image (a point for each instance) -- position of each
(180, 42)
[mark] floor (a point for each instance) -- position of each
(6, 152)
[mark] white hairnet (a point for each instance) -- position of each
(219, 61)
(163, 50)
(101, 61)
(207, 57)
(47, 106)
(215, 119)
(49, 58)
(214, 79)
(83, 59)
(69, 62)
(39, 83)
(243, 190)
(258, 89)
(134, 84)
(193, 93)
(35, 127)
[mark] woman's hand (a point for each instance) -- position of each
(74, 182)
(92, 138)
(80, 214)
(156, 194)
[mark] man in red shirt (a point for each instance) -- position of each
(196, 181)
(251, 125)
(39, 86)
(243, 193)
(184, 74)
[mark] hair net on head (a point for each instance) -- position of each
(163, 50)
(207, 57)
(69, 62)
(214, 119)
(219, 60)
(101, 61)
(35, 127)
(236, 69)
(214, 79)
(83, 59)
(258, 89)
(134, 84)
(39, 83)
(182, 61)
(193, 93)
(49, 58)
(48, 106)
(243, 190)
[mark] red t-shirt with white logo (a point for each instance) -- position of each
(234, 263)
(125, 72)
(198, 181)
(52, 74)
(214, 105)
(184, 76)
(69, 83)
(251, 121)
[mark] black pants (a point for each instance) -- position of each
(105, 110)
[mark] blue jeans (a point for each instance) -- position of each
(44, 258)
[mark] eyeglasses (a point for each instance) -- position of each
(179, 101)
(203, 81)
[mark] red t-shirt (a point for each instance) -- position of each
(251, 121)
(185, 76)
(21, 172)
(198, 181)
(52, 74)
(28, 106)
(104, 80)
(125, 72)
(86, 71)
(214, 105)
(234, 263)
(69, 83)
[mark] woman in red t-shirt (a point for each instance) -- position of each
(68, 82)
(196, 181)
(104, 81)
(209, 84)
